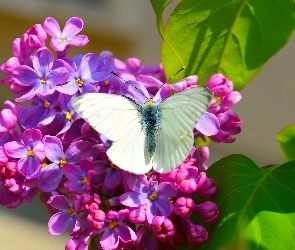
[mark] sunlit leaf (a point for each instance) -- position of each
(232, 37)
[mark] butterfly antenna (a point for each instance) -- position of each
(129, 83)
(176, 73)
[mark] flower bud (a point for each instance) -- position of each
(208, 211)
(219, 85)
(184, 207)
(163, 228)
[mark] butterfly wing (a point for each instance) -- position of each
(117, 118)
(180, 112)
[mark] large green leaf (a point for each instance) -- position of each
(232, 37)
(286, 139)
(257, 206)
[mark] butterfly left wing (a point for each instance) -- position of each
(117, 118)
(180, 112)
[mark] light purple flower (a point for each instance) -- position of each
(68, 37)
(155, 196)
(42, 79)
(51, 175)
(83, 75)
(59, 222)
(30, 151)
(115, 230)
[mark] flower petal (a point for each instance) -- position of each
(50, 177)
(88, 65)
(208, 124)
(32, 137)
(58, 223)
(59, 202)
(53, 148)
(126, 234)
(80, 40)
(72, 172)
(72, 27)
(78, 151)
(109, 239)
(51, 26)
(15, 149)
(29, 166)
(58, 76)
(24, 75)
(43, 61)
(132, 199)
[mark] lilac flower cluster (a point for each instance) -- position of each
(46, 149)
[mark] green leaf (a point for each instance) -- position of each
(257, 206)
(232, 37)
(159, 6)
(286, 139)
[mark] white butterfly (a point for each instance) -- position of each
(152, 135)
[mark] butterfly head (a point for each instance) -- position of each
(149, 102)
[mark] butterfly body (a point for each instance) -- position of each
(150, 122)
(151, 135)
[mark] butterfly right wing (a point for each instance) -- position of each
(180, 112)
(117, 118)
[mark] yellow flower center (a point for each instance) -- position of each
(46, 105)
(84, 181)
(72, 212)
(30, 153)
(106, 82)
(63, 40)
(43, 80)
(69, 116)
(79, 82)
(112, 224)
(62, 163)
(153, 196)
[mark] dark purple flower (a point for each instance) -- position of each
(59, 222)
(155, 196)
(208, 211)
(51, 175)
(195, 234)
(78, 176)
(42, 113)
(42, 79)
(68, 37)
(30, 151)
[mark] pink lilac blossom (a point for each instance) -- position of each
(47, 149)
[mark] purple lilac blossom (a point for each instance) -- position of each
(31, 152)
(42, 79)
(52, 174)
(83, 75)
(100, 199)
(62, 40)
